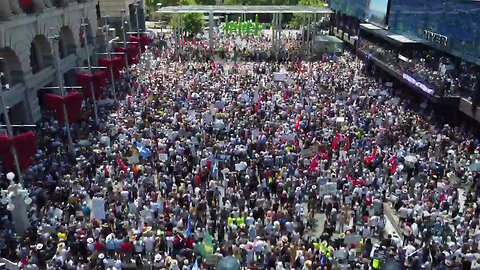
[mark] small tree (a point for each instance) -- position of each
(193, 22)
(297, 19)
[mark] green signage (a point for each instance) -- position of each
(246, 28)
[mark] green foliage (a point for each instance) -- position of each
(192, 22)
(261, 2)
(297, 19)
(206, 2)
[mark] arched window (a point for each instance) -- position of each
(40, 54)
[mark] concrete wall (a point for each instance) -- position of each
(16, 37)
(112, 8)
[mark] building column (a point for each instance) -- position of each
(210, 29)
(274, 40)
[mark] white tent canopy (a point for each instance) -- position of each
(245, 9)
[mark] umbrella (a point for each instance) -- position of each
(84, 143)
(383, 93)
(475, 167)
(228, 263)
(411, 159)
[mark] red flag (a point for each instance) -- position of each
(354, 181)
(121, 164)
(297, 123)
(369, 159)
(393, 164)
(198, 178)
(347, 144)
(372, 111)
(313, 164)
(335, 141)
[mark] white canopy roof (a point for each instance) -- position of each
(245, 9)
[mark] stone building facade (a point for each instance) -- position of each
(26, 49)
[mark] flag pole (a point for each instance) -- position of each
(55, 43)
(87, 55)
(127, 69)
(109, 54)
(9, 126)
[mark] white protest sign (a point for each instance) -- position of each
(240, 166)
(279, 76)
(255, 134)
(162, 157)
(133, 159)
(288, 137)
(329, 188)
(98, 208)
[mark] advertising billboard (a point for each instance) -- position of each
(449, 25)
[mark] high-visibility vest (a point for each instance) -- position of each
(376, 264)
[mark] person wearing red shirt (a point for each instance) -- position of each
(98, 245)
(126, 247)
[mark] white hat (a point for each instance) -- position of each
(158, 257)
(39, 246)
(101, 256)
(90, 240)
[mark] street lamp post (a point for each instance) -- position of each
(87, 55)
(138, 29)
(17, 200)
(108, 44)
(127, 70)
(55, 46)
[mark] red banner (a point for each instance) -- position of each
(99, 80)
(26, 147)
(132, 53)
(143, 41)
(25, 5)
(116, 63)
(73, 104)
(4, 143)
(104, 62)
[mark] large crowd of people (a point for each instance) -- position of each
(281, 165)
(439, 71)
